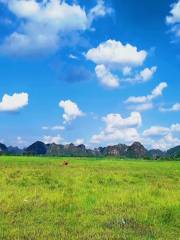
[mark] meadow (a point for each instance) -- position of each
(97, 199)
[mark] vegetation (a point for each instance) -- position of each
(88, 198)
(136, 150)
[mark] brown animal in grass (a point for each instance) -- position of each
(65, 163)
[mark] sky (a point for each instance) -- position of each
(90, 72)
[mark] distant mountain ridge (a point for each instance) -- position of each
(3, 148)
(136, 150)
(174, 152)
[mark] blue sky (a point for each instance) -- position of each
(92, 72)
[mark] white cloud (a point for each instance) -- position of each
(126, 130)
(141, 107)
(128, 135)
(141, 99)
(71, 110)
(54, 128)
(58, 128)
(145, 102)
(20, 141)
(174, 18)
(126, 71)
(160, 130)
(162, 137)
(79, 141)
(168, 141)
(175, 127)
(52, 139)
(98, 11)
(174, 108)
(42, 24)
(119, 129)
(158, 90)
(116, 121)
(72, 56)
(144, 75)
(13, 102)
(24, 8)
(155, 131)
(106, 77)
(174, 13)
(114, 52)
(112, 56)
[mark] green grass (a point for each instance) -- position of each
(40, 199)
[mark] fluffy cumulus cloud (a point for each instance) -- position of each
(143, 76)
(13, 102)
(174, 108)
(114, 52)
(145, 102)
(52, 139)
(168, 141)
(71, 110)
(106, 77)
(118, 129)
(156, 131)
(112, 56)
(174, 18)
(43, 23)
(160, 137)
(146, 74)
(161, 131)
(126, 130)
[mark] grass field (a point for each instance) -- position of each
(40, 199)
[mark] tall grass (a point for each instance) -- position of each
(41, 199)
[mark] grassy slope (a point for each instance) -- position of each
(89, 199)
